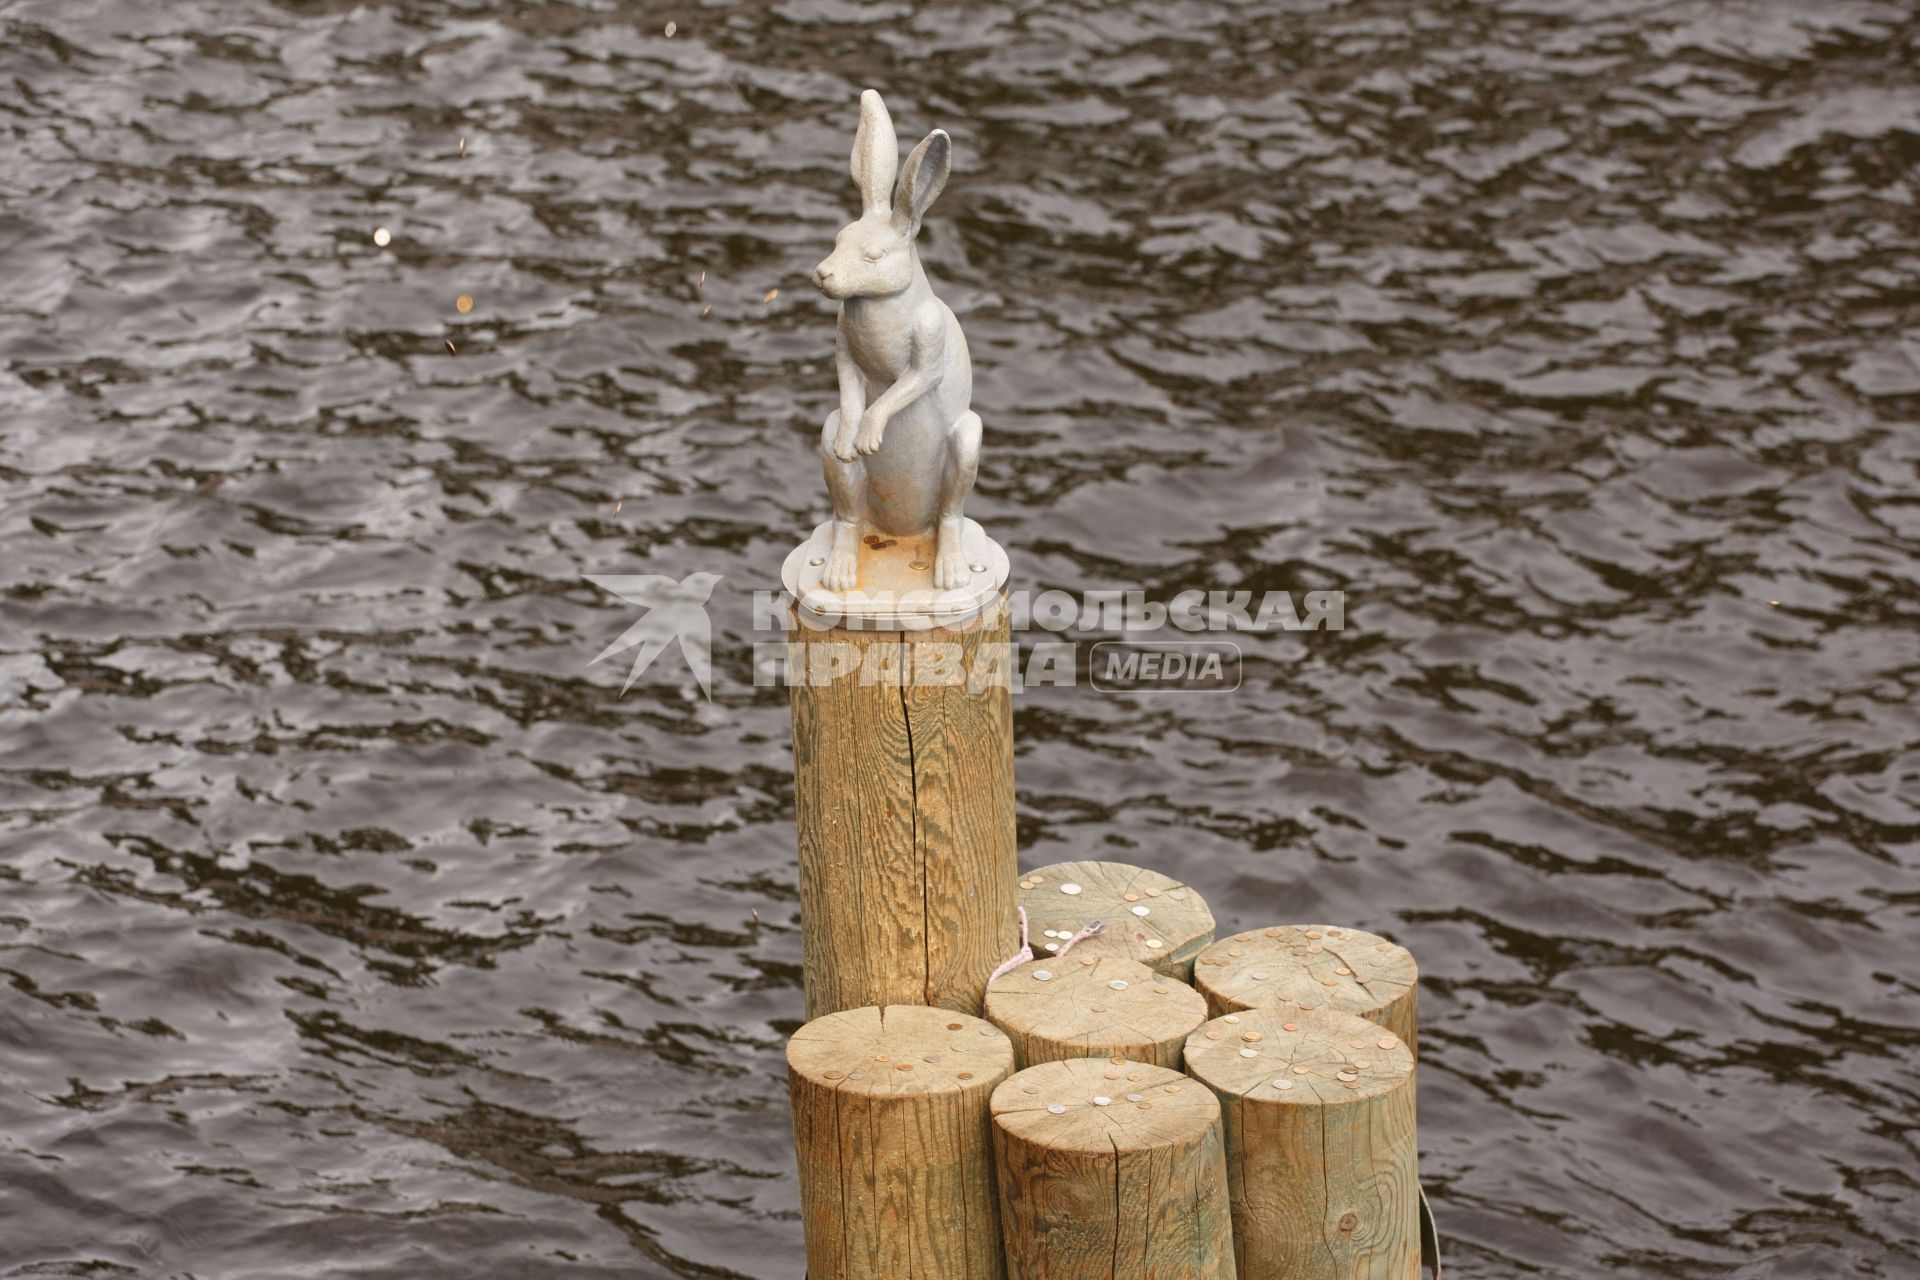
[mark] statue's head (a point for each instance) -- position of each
(873, 255)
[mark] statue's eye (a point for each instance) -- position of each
(875, 257)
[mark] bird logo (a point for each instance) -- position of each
(675, 611)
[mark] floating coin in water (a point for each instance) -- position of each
(463, 303)
(964, 1075)
(671, 28)
(977, 568)
(1313, 933)
(1134, 1075)
(1299, 1071)
(1070, 888)
(1053, 946)
(1385, 1042)
(1178, 895)
(1100, 1100)
(1088, 961)
(1043, 975)
(1131, 897)
(1056, 1108)
(835, 1075)
(382, 237)
(1118, 984)
(1343, 971)
(1141, 911)
(1259, 975)
(1133, 1097)
(905, 1066)
(1118, 1060)
(1027, 1088)
(1231, 1018)
(1215, 1035)
(1155, 943)
(1097, 1008)
(1283, 1084)
(1289, 1026)
(1249, 1053)
(1173, 1088)
(1357, 1044)
(1252, 1037)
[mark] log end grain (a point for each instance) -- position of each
(1094, 1006)
(1151, 919)
(1313, 966)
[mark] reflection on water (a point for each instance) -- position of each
(351, 923)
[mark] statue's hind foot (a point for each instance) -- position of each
(950, 567)
(843, 562)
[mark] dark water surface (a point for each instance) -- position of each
(353, 926)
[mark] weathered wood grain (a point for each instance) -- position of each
(1321, 1144)
(903, 794)
(1313, 966)
(1125, 1180)
(1151, 919)
(1088, 1006)
(891, 1125)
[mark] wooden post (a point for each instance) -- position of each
(1320, 1143)
(1313, 966)
(890, 1118)
(1094, 1007)
(1103, 1175)
(1152, 919)
(903, 791)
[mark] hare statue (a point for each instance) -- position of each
(901, 451)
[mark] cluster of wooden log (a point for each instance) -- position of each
(1142, 1103)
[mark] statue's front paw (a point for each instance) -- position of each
(843, 447)
(872, 429)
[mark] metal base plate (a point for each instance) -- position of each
(894, 591)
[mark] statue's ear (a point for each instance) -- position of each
(924, 177)
(876, 154)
